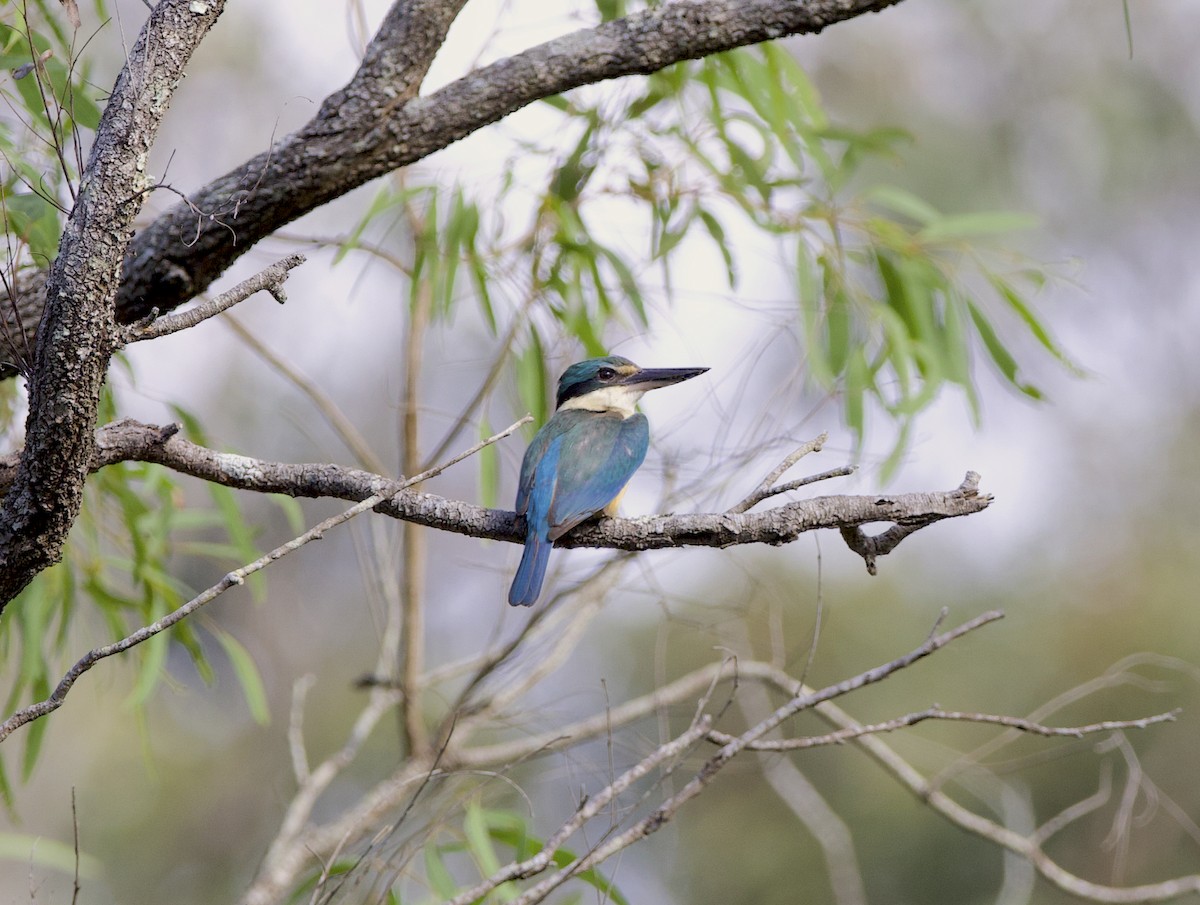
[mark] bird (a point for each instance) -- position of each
(580, 461)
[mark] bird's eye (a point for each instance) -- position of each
(606, 373)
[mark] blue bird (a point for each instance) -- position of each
(580, 461)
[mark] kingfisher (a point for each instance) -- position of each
(580, 461)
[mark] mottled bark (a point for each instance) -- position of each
(131, 441)
(76, 336)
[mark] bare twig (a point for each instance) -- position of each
(936, 713)
(236, 577)
(295, 733)
(802, 699)
(763, 490)
(592, 806)
(271, 279)
(1027, 847)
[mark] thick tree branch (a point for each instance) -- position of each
(132, 441)
(232, 579)
(377, 124)
(76, 335)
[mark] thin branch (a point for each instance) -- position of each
(870, 547)
(232, 579)
(131, 441)
(936, 713)
(270, 278)
(593, 805)
(804, 700)
(295, 732)
(1026, 847)
(763, 490)
(322, 401)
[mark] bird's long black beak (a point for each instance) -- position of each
(653, 378)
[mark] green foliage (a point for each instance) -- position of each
(489, 838)
(896, 300)
(135, 530)
(50, 93)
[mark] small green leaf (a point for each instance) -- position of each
(967, 226)
(247, 674)
(904, 203)
(36, 733)
(47, 853)
(1001, 357)
(713, 225)
(437, 874)
(1034, 324)
(36, 221)
(489, 467)
(479, 840)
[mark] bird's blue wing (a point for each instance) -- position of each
(536, 453)
(598, 455)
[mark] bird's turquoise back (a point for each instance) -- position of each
(576, 465)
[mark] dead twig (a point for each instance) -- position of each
(271, 279)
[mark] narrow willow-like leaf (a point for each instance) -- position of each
(247, 674)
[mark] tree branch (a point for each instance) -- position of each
(377, 124)
(270, 278)
(132, 441)
(1027, 847)
(936, 713)
(803, 699)
(76, 336)
(232, 579)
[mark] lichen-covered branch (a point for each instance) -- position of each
(133, 441)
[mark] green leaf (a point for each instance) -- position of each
(532, 380)
(437, 874)
(47, 853)
(150, 670)
(967, 226)
(489, 467)
(36, 733)
(904, 203)
(857, 382)
(479, 841)
(247, 674)
(291, 509)
(713, 225)
(1001, 357)
(1032, 322)
(36, 221)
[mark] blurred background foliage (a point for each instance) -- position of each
(903, 231)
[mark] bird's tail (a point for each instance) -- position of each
(527, 583)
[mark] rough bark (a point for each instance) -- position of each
(132, 441)
(76, 334)
(377, 124)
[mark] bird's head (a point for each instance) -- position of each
(614, 383)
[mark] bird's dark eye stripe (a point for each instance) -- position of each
(606, 373)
